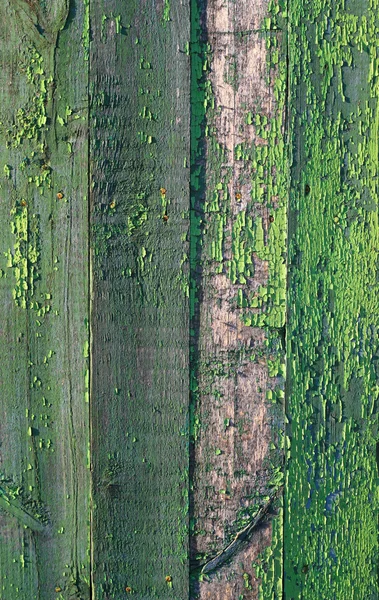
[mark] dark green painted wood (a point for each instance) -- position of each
(139, 132)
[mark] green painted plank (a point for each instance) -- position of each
(331, 504)
(139, 131)
(44, 485)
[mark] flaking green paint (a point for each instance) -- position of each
(331, 505)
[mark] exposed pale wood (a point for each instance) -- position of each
(232, 455)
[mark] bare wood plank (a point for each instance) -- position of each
(239, 203)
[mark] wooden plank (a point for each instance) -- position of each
(181, 292)
(238, 303)
(44, 483)
(331, 506)
(139, 130)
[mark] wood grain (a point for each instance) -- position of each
(44, 309)
(139, 130)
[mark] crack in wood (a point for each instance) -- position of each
(240, 539)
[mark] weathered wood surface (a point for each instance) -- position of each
(44, 431)
(239, 192)
(139, 131)
(152, 152)
(331, 499)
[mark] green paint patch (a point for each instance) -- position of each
(30, 120)
(269, 568)
(166, 11)
(23, 257)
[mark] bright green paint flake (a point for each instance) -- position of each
(166, 11)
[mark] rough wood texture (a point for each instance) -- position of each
(331, 502)
(155, 158)
(239, 192)
(139, 129)
(44, 487)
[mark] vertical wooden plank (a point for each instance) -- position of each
(238, 297)
(139, 132)
(331, 506)
(44, 486)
